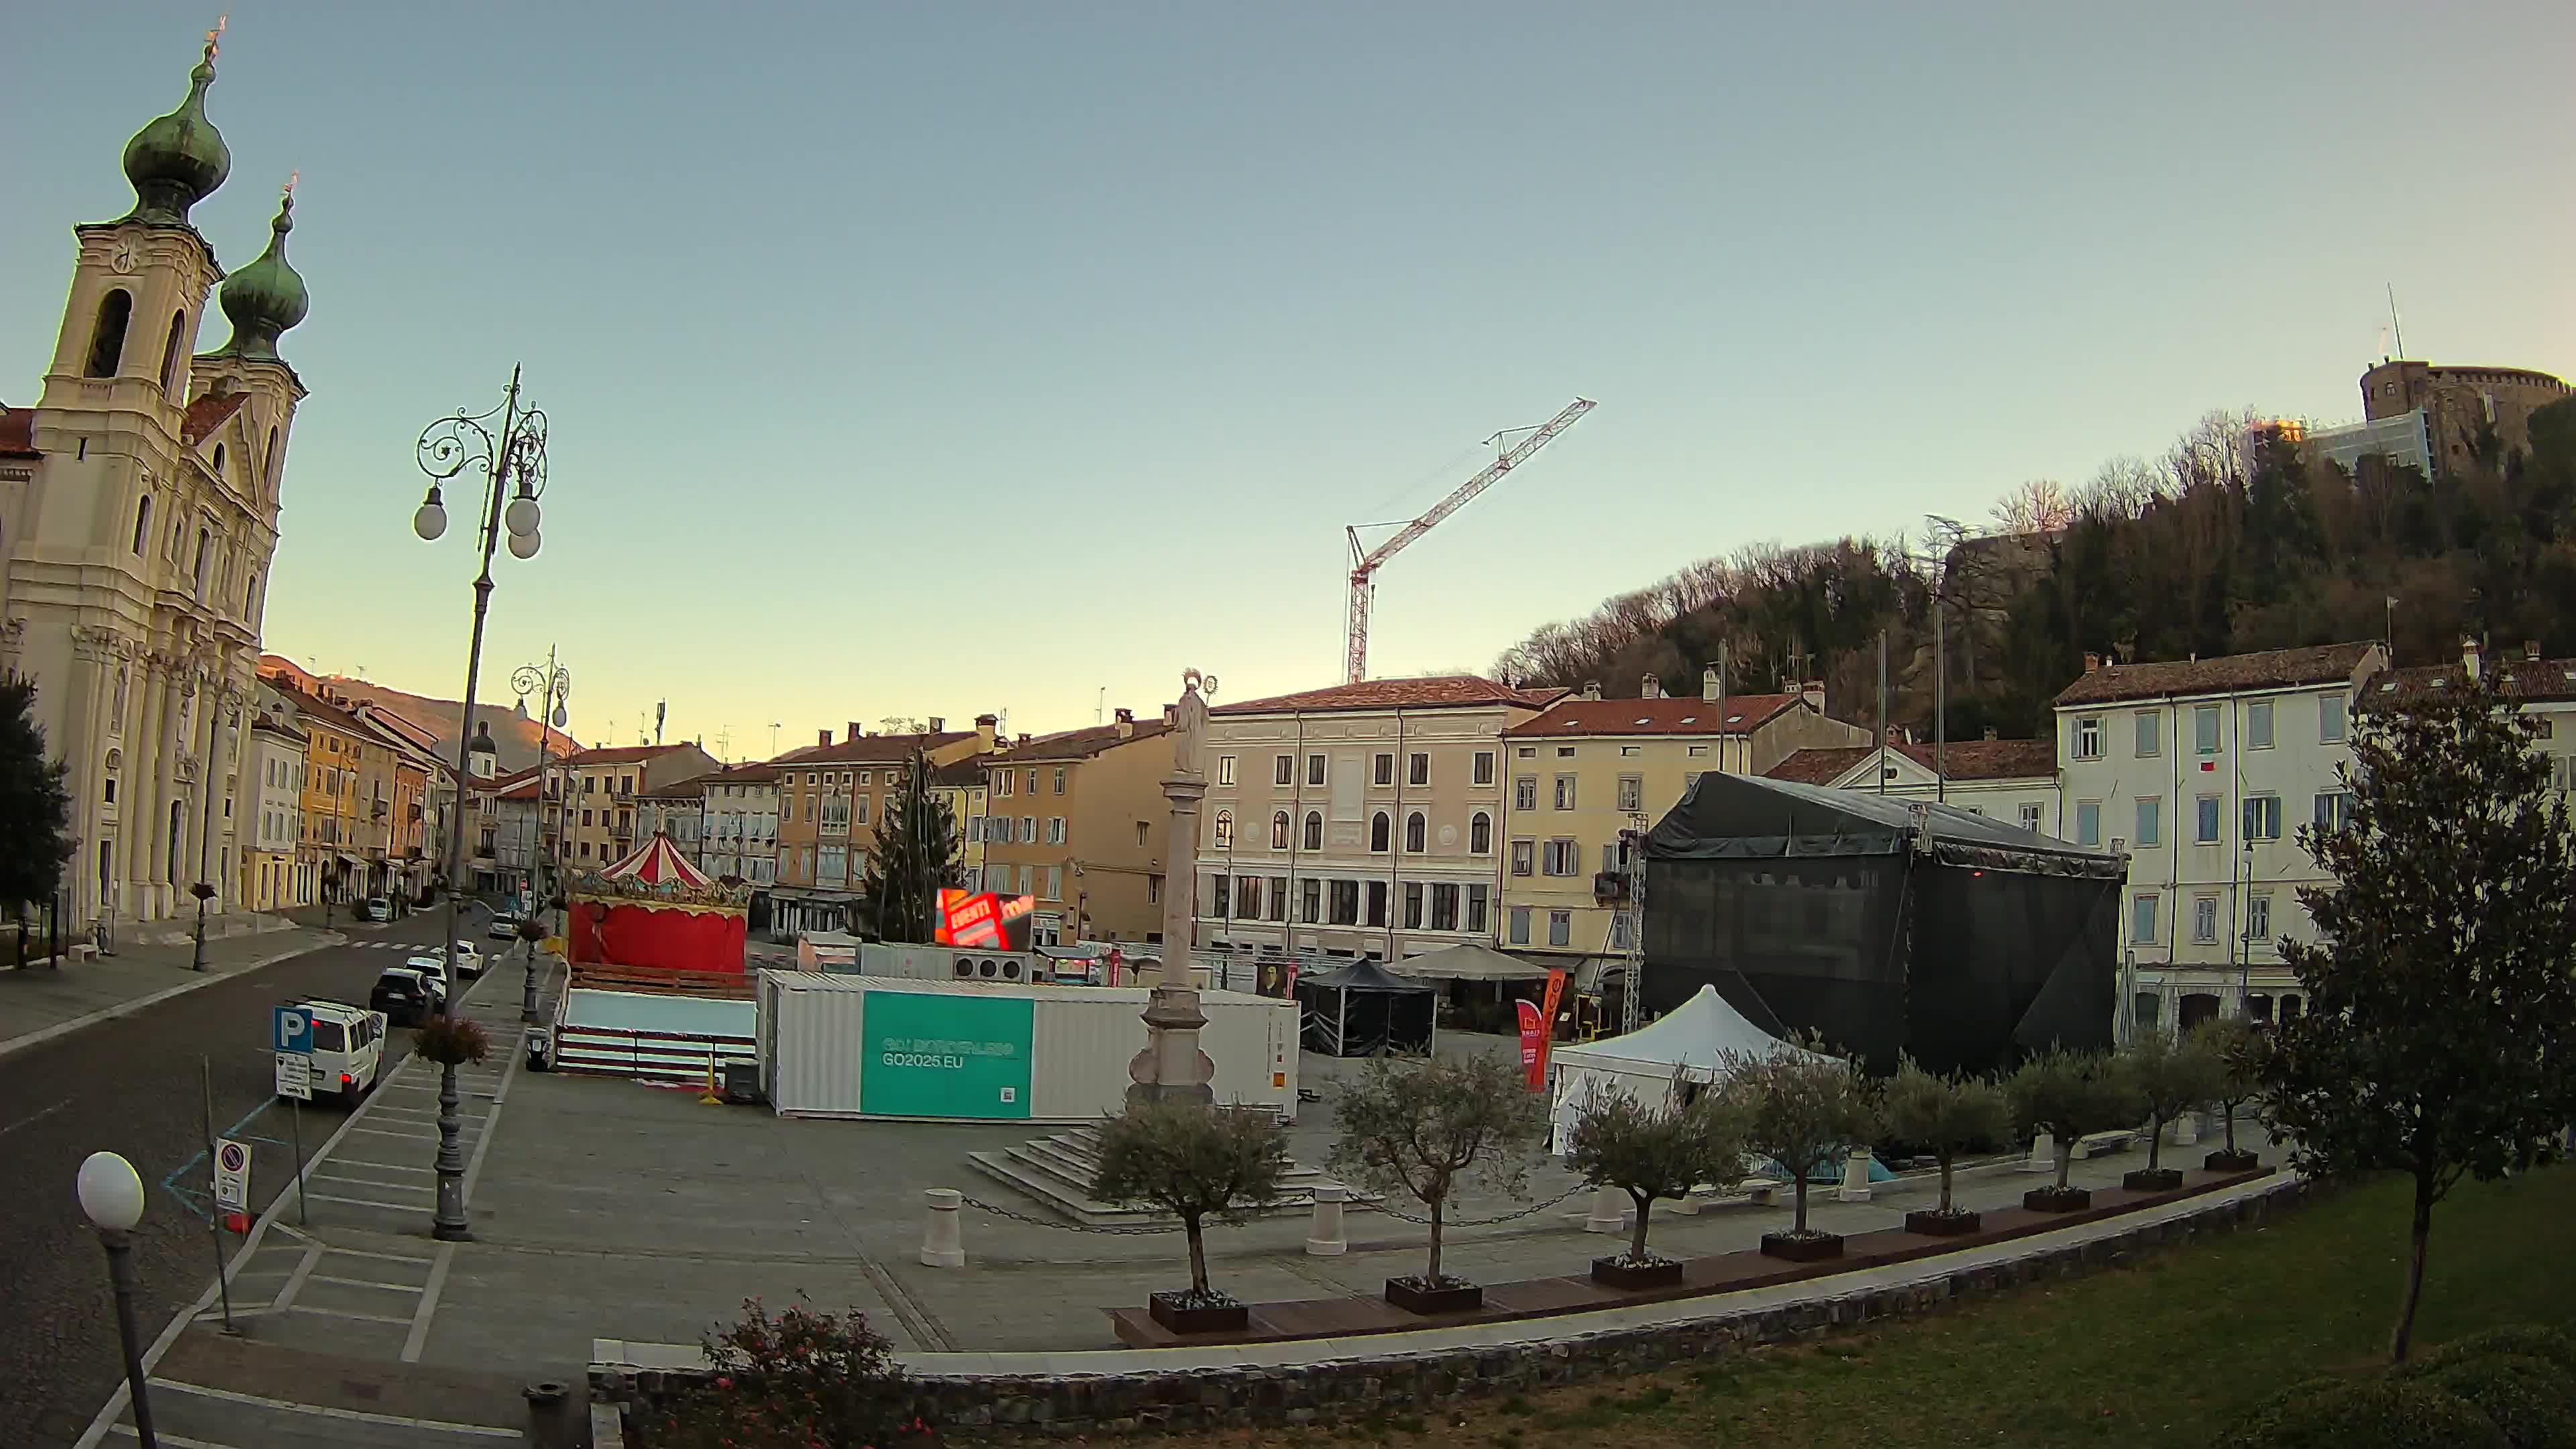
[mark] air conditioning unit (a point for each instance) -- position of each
(943, 963)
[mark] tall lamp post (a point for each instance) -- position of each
(515, 457)
(554, 682)
(111, 1197)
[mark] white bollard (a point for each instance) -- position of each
(941, 1247)
(1685, 1206)
(1609, 1211)
(1855, 1186)
(2186, 1129)
(1324, 1235)
(2043, 1155)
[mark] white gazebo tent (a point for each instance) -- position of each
(1693, 1042)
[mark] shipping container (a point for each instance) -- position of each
(867, 1046)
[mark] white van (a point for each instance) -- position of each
(348, 1049)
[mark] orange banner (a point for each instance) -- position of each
(1548, 1004)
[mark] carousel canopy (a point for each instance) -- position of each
(657, 862)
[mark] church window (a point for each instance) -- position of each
(272, 460)
(205, 547)
(219, 462)
(142, 521)
(107, 339)
(250, 597)
(170, 353)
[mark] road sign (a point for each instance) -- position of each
(295, 1076)
(292, 1030)
(232, 1176)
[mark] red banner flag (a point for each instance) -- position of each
(1546, 1027)
(1530, 1030)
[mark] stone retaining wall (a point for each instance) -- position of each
(1397, 1381)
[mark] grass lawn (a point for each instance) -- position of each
(2166, 1352)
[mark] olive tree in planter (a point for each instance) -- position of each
(2170, 1075)
(2236, 1047)
(1803, 1109)
(1427, 1131)
(1945, 1116)
(2068, 1094)
(1194, 1162)
(1651, 1151)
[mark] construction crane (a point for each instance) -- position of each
(1365, 562)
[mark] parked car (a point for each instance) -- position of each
(505, 927)
(376, 908)
(433, 967)
(348, 1048)
(469, 961)
(407, 995)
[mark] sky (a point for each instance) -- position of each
(936, 360)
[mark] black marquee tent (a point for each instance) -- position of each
(1885, 924)
(1362, 1011)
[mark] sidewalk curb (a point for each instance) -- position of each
(128, 1008)
(119, 1397)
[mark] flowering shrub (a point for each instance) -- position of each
(797, 1380)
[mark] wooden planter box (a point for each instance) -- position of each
(1169, 1311)
(1815, 1249)
(1453, 1297)
(1618, 1273)
(2158, 1179)
(2225, 1161)
(2057, 1200)
(1943, 1225)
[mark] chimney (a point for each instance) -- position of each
(985, 726)
(1650, 688)
(1813, 692)
(2531, 650)
(938, 724)
(1126, 724)
(1990, 732)
(1024, 739)
(2469, 654)
(822, 737)
(1708, 686)
(2092, 663)
(855, 731)
(1592, 689)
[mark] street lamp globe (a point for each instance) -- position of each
(524, 545)
(431, 520)
(111, 1196)
(522, 516)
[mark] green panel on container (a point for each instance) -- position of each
(938, 1055)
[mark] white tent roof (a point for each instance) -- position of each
(1467, 961)
(1698, 1034)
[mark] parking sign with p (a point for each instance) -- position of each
(293, 1031)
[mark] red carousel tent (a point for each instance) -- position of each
(656, 911)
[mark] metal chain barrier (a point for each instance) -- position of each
(1019, 1217)
(1447, 1223)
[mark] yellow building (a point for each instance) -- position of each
(328, 836)
(830, 800)
(961, 787)
(1078, 820)
(1586, 768)
(600, 825)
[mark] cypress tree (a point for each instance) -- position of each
(916, 854)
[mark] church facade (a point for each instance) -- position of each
(139, 498)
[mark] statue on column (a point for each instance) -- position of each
(1189, 721)
(1172, 1067)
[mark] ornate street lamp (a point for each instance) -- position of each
(111, 1197)
(512, 458)
(555, 682)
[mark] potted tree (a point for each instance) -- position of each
(2170, 1075)
(1427, 1131)
(2237, 1048)
(1651, 1152)
(1803, 1109)
(2067, 1094)
(1195, 1162)
(1945, 1116)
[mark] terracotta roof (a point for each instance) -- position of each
(965, 774)
(209, 413)
(2525, 678)
(1692, 716)
(1079, 744)
(2227, 674)
(274, 725)
(1446, 691)
(757, 772)
(323, 710)
(1967, 759)
(871, 749)
(18, 433)
(694, 787)
(624, 754)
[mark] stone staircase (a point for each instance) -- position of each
(1057, 1171)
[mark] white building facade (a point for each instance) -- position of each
(739, 825)
(274, 763)
(2202, 772)
(2013, 781)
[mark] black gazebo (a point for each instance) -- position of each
(1363, 1011)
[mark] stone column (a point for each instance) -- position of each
(1181, 879)
(1171, 1067)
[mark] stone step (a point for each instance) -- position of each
(1043, 1170)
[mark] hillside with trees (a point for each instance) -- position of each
(2235, 539)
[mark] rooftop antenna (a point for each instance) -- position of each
(773, 739)
(661, 707)
(724, 743)
(2395, 326)
(1100, 709)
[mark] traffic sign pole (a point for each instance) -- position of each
(295, 1128)
(215, 1217)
